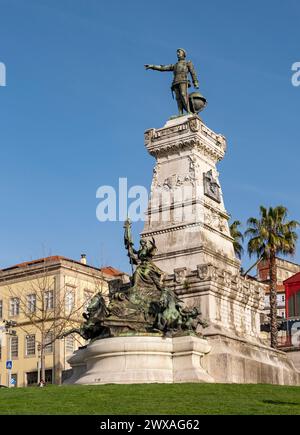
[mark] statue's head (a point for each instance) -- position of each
(181, 53)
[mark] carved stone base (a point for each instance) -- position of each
(139, 360)
(233, 360)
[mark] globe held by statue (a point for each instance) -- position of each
(197, 102)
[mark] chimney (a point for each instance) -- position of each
(83, 259)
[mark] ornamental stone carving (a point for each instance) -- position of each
(221, 142)
(208, 218)
(194, 124)
(211, 187)
(175, 181)
(155, 177)
(227, 278)
(222, 225)
(148, 136)
(206, 272)
(180, 275)
(214, 220)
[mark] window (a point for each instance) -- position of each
(69, 343)
(1, 309)
(49, 342)
(31, 303)
(14, 309)
(30, 345)
(32, 378)
(14, 343)
(282, 298)
(294, 305)
(69, 300)
(49, 300)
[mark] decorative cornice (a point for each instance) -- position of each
(186, 134)
(170, 229)
(210, 277)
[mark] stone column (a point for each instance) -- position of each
(186, 213)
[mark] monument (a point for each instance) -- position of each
(187, 315)
(143, 333)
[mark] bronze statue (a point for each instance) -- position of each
(181, 70)
(92, 328)
(144, 305)
(146, 273)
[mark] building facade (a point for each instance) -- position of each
(292, 291)
(285, 270)
(45, 298)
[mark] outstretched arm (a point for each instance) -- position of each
(160, 67)
(129, 242)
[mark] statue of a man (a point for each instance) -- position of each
(180, 85)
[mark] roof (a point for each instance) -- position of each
(264, 263)
(108, 270)
(293, 279)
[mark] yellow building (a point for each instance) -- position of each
(45, 297)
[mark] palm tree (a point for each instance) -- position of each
(270, 236)
(238, 238)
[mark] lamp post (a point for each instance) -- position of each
(39, 363)
(8, 325)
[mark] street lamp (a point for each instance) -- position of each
(39, 348)
(8, 325)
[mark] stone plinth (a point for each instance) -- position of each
(232, 306)
(229, 302)
(140, 359)
(234, 360)
(294, 356)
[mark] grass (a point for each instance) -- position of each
(159, 399)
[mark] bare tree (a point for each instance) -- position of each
(46, 307)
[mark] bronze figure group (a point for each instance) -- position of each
(144, 305)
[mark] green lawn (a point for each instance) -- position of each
(152, 399)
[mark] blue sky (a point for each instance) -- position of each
(78, 101)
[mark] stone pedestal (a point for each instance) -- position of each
(294, 356)
(186, 213)
(139, 360)
(236, 360)
(188, 220)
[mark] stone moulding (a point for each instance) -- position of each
(161, 150)
(218, 256)
(220, 282)
(186, 135)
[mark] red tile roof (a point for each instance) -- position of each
(34, 262)
(111, 271)
(108, 270)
